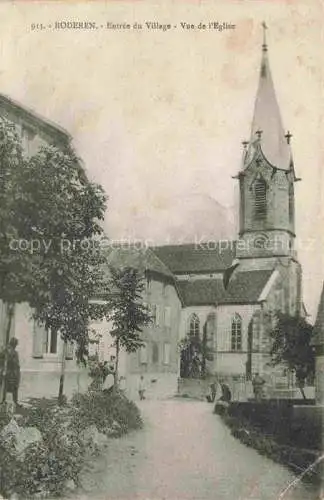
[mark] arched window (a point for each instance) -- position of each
(194, 326)
(236, 334)
(260, 199)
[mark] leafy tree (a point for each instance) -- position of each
(13, 265)
(62, 210)
(48, 203)
(291, 339)
(126, 311)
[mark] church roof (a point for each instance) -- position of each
(244, 288)
(319, 323)
(142, 259)
(267, 119)
(196, 258)
(201, 292)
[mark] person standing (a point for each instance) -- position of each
(10, 370)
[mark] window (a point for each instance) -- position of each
(157, 315)
(50, 341)
(236, 336)
(69, 350)
(260, 199)
(256, 325)
(38, 340)
(167, 316)
(166, 353)
(155, 353)
(194, 326)
(152, 308)
(143, 354)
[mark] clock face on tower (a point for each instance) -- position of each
(261, 242)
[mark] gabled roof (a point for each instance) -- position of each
(267, 119)
(197, 258)
(319, 323)
(244, 288)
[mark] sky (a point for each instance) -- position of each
(159, 116)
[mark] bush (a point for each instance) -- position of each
(250, 435)
(103, 408)
(46, 466)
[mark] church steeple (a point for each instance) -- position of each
(267, 127)
(267, 200)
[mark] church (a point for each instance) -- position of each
(228, 292)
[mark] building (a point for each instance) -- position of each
(231, 290)
(40, 350)
(158, 358)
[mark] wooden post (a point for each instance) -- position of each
(10, 308)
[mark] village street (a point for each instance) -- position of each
(184, 452)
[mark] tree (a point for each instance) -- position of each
(291, 339)
(126, 311)
(60, 208)
(13, 265)
(48, 203)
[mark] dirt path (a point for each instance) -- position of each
(185, 452)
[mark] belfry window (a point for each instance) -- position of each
(194, 326)
(236, 333)
(260, 200)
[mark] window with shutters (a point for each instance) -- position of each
(236, 333)
(194, 325)
(46, 342)
(260, 200)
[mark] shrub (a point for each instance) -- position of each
(45, 466)
(103, 408)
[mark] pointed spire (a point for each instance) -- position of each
(264, 45)
(267, 117)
